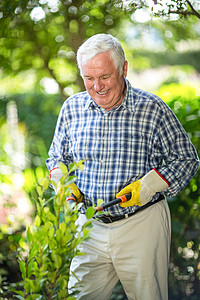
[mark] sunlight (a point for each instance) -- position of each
(141, 16)
(50, 85)
(37, 14)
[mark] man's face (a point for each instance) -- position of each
(102, 81)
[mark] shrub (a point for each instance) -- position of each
(51, 243)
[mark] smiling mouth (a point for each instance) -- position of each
(102, 93)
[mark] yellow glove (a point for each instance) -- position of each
(133, 188)
(76, 192)
(144, 189)
(55, 176)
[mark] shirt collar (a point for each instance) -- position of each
(126, 103)
(89, 103)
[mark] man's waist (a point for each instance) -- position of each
(111, 219)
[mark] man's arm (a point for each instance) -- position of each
(180, 159)
(58, 151)
(180, 163)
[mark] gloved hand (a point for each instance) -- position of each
(56, 174)
(76, 192)
(144, 189)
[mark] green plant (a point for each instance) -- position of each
(52, 242)
(10, 240)
(184, 268)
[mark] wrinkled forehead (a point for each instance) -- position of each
(99, 65)
(93, 56)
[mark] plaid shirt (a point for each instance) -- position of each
(121, 145)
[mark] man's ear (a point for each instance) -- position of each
(125, 68)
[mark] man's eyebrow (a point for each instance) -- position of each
(106, 74)
(89, 76)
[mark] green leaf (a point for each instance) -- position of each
(37, 221)
(19, 297)
(90, 212)
(29, 235)
(52, 217)
(59, 235)
(30, 268)
(22, 266)
(80, 165)
(44, 182)
(46, 210)
(86, 232)
(62, 227)
(67, 238)
(73, 227)
(57, 260)
(63, 169)
(74, 166)
(51, 233)
(20, 293)
(35, 268)
(88, 224)
(39, 190)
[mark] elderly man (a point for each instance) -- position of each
(131, 142)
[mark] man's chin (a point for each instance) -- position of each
(102, 103)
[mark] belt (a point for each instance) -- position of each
(111, 219)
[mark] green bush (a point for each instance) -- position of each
(51, 243)
(184, 268)
(10, 240)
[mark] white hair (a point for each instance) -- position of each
(100, 43)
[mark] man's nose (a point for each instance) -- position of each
(98, 85)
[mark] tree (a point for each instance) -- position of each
(183, 8)
(44, 36)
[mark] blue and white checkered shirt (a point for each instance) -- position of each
(121, 145)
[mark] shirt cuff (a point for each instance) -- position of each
(162, 177)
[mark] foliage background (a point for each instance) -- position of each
(38, 44)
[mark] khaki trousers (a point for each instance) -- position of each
(134, 251)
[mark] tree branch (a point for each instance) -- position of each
(61, 87)
(193, 12)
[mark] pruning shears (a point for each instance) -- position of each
(121, 199)
(71, 199)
